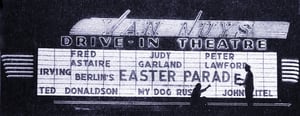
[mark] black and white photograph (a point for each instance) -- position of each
(149, 57)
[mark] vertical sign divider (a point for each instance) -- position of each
(119, 69)
(135, 59)
(54, 67)
(70, 68)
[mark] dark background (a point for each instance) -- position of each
(29, 24)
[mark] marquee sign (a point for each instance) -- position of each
(160, 58)
(181, 28)
(182, 43)
(145, 73)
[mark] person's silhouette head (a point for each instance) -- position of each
(247, 67)
(198, 85)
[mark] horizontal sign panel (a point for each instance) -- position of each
(290, 70)
(161, 43)
(18, 65)
(181, 28)
(147, 73)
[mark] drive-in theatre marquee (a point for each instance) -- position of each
(119, 57)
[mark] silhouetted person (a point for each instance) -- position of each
(248, 83)
(196, 99)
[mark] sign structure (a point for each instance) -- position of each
(153, 73)
(119, 57)
(181, 28)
